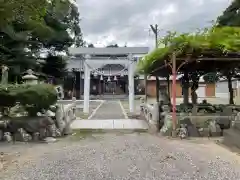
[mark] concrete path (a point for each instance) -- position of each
(109, 110)
(108, 156)
(116, 124)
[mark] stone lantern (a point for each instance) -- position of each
(29, 78)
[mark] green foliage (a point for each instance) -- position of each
(211, 77)
(8, 95)
(219, 40)
(29, 26)
(113, 46)
(63, 18)
(33, 98)
(55, 66)
(37, 97)
(21, 11)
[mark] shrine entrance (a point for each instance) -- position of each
(97, 61)
(110, 87)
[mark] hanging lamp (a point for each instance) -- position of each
(101, 78)
(108, 79)
(115, 78)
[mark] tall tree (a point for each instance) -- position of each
(55, 66)
(113, 45)
(231, 16)
(27, 27)
(91, 46)
(19, 19)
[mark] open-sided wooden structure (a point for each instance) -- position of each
(214, 50)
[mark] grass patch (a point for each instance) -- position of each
(86, 133)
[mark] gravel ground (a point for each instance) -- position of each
(125, 156)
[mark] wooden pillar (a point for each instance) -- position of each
(174, 116)
(157, 89)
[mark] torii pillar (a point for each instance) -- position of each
(131, 83)
(87, 76)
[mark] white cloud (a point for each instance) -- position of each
(127, 21)
(169, 9)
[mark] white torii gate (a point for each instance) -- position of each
(91, 60)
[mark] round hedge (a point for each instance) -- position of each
(33, 98)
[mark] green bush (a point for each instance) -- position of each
(37, 97)
(7, 95)
(33, 98)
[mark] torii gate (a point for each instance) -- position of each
(90, 61)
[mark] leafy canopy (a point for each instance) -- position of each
(30, 27)
(220, 40)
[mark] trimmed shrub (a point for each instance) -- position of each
(8, 97)
(34, 98)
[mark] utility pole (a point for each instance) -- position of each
(155, 31)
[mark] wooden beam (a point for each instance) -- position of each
(211, 59)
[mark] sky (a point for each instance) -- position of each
(127, 22)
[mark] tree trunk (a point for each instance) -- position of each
(230, 88)
(185, 88)
(168, 88)
(194, 97)
(157, 89)
(195, 82)
(145, 83)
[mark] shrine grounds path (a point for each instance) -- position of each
(110, 109)
(118, 156)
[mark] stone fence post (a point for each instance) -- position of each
(154, 121)
(69, 116)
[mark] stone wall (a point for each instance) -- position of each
(45, 125)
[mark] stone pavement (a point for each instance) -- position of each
(136, 156)
(109, 110)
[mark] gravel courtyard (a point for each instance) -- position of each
(139, 156)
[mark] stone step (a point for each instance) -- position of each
(112, 130)
(231, 137)
(117, 124)
(237, 126)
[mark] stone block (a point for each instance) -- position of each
(7, 137)
(237, 125)
(1, 135)
(191, 128)
(22, 135)
(231, 138)
(36, 136)
(214, 129)
(49, 140)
